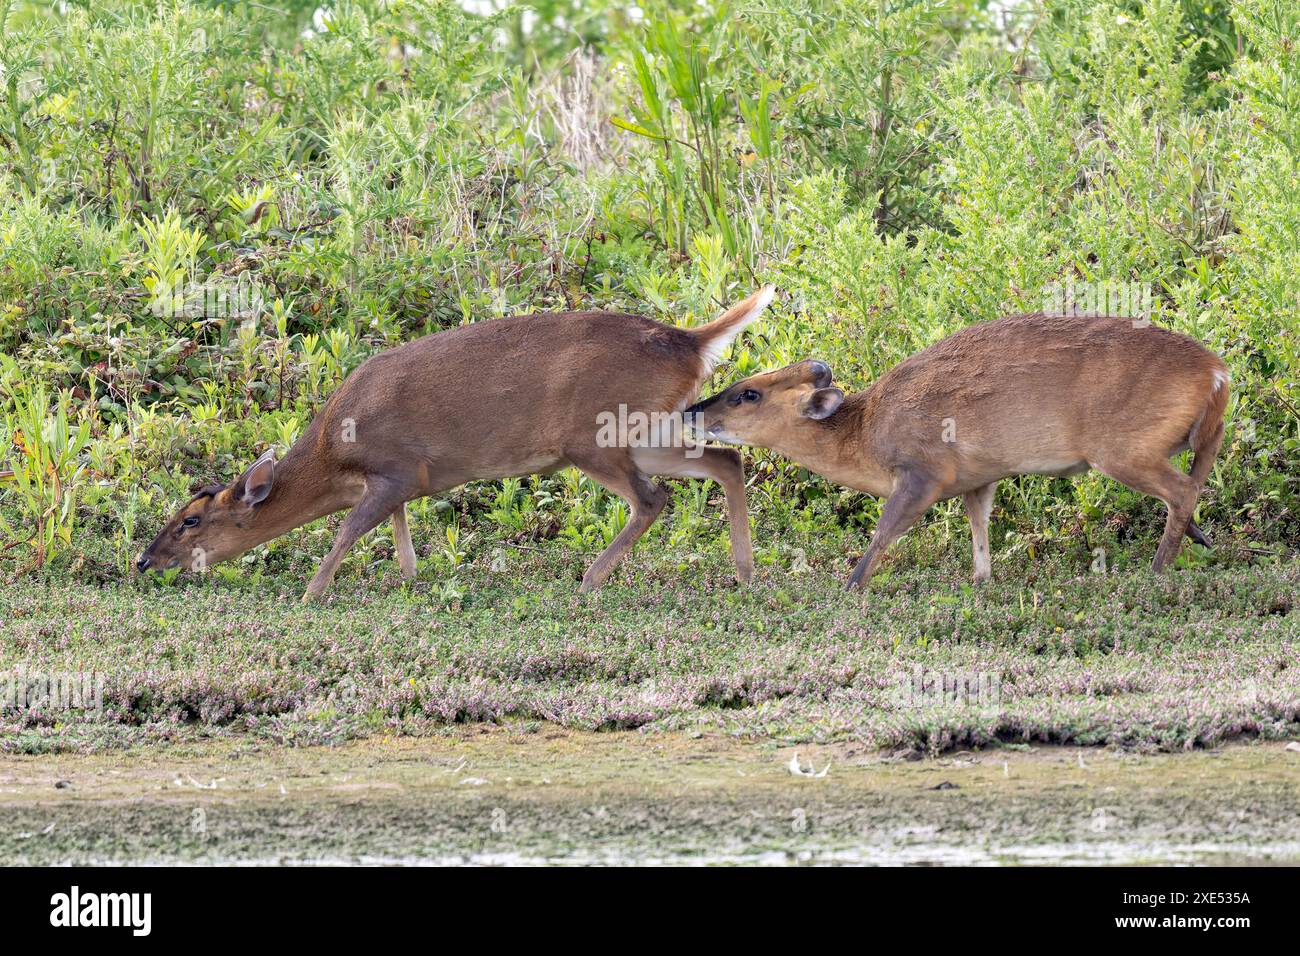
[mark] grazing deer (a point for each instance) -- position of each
(1030, 394)
(493, 399)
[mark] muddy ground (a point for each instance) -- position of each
(494, 796)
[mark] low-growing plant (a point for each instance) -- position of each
(41, 463)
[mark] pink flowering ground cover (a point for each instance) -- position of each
(1191, 659)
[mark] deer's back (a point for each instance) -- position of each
(1044, 392)
(519, 387)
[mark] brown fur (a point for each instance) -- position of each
(1029, 394)
(494, 399)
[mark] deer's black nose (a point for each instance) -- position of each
(142, 563)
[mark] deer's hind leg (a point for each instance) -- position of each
(614, 469)
(724, 466)
(979, 505)
(402, 542)
(1177, 490)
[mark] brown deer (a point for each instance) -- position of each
(494, 399)
(1030, 394)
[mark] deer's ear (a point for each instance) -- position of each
(819, 373)
(821, 403)
(255, 484)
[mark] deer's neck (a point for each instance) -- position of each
(839, 448)
(305, 488)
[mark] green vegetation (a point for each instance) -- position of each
(211, 212)
(341, 182)
(1193, 658)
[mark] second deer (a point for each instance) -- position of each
(1031, 394)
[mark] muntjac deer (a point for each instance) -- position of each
(494, 399)
(1030, 394)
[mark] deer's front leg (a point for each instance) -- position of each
(378, 502)
(913, 495)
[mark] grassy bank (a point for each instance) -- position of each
(210, 215)
(1193, 658)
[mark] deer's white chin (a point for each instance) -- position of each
(714, 434)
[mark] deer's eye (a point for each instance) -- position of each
(190, 522)
(749, 395)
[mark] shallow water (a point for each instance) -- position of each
(559, 797)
